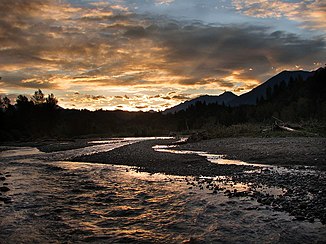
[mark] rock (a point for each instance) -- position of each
(5, 199)
(311, 220)
(300, 218)
(2, 178)
(4, 189)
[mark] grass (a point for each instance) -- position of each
(308, 129)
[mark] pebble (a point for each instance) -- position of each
(5, 199)
(4, 189)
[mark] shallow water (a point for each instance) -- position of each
(213, 158)
(62, 201)
(222, 159)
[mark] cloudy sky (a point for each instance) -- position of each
(153, 54)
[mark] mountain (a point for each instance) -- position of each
(225, 98)
(249, 98)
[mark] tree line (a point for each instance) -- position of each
(295, 101)
(41, 117)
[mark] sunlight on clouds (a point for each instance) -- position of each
(164, 2)
(104, 55)
(310, 14)
(129, 102)
(241, 85)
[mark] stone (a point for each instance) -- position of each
(4, 189)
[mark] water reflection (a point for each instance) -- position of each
(63, 201)
(19, 151)
(214, 158)
(221, 159)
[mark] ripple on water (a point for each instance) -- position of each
(79, 202)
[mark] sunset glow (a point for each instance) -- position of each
(151, 55)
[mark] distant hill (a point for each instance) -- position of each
(225, 98)
(249, 98)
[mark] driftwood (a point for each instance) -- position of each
(281, 125)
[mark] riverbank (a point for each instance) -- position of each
(302, 191)
(143, 156)
(275, 151)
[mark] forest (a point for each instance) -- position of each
(40, 117)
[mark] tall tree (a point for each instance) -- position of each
(38, 97)
(6, 102)
(21, 99)
(51, 101)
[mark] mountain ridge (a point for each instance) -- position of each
(250, 98)
(225, 98)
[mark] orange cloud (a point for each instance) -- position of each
(310, 14)
(105, 50)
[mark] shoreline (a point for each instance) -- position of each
(142, 155)
(284, 151)
(304, 190)
(304, 195)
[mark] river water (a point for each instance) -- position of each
(53, 200)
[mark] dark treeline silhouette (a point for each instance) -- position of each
(295, 101)
(41, 117)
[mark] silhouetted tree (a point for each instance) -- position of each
(38, 97)
(22, 102)
(51, 101)
(21, 99)
(6, 102)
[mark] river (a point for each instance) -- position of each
(53, 200)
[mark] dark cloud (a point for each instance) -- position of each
(92, 97)
(181, 97)
(204, 50)
(15, 17)
(90, 47)
(19, 81)
(198, 51)
(174, 96)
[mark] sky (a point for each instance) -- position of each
(153, 54)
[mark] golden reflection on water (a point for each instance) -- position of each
(20, 151)
(77, 202)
